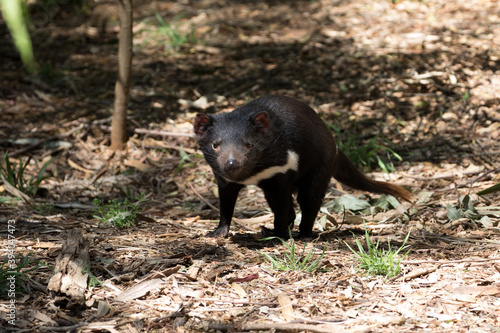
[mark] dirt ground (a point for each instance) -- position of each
(422, 74)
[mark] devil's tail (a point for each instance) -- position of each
(346, 173)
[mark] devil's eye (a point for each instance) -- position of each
(248, 145)
(215, 145)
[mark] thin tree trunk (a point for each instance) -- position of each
(122, 87)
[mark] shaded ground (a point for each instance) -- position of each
(423, 75)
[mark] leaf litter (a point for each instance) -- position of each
(422, 74)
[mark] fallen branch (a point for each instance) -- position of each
(414, 274)
(286, 327)
(153, 132)
(202, 198)
(42, 141)
(445, 176)
(162, 133)
(414, 262)
(56, 137)
(14, 191)
(61, 328)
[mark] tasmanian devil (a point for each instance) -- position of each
(281, 145)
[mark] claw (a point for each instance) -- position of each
(220, 232)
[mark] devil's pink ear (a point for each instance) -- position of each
(261, 120)
(201, 123)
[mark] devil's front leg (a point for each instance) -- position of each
(228, 193)
(278, 192)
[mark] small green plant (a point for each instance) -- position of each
(466, 209)
(120, 214)
(15, 175)
(168, 34)
(176, 38)
(465, 96)
(292, 260)
(15, 274)
(93, 280)
(377, 261)
(185, 157)
(361, 153)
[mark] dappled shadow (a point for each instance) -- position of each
(258, 51)
(428, 89)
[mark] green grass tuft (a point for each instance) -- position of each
(15, 175)
(377, 261)
(293, 260)
(171, 35)
(15, 275)
(120, 214)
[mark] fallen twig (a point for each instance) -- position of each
(415, 273)
(446, 176)
(162, 133)
(14, 191)
(61, 328)
(293, 327)
(42, 141)
(441, 262)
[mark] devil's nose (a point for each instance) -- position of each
(231, 166)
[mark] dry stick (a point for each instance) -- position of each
(414, 274)
(236, 221)
(161, 133)
(98, 174)
(452, 175)
(451, 239)
(285, 327)
(42, 141)
(54, 137)
(14, 191)
(202, 198)
(61, 328)
(137, 242)
(170, 315)
(475, 154)
(153, 132)
(412, 262)
(176, 225)
(235, 302)
(480, 178)
(290, 327)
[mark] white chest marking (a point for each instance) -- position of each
(292, 163)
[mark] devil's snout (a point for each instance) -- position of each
(231, 166)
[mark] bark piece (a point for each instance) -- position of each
(72, 265)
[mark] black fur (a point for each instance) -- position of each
(260, 135)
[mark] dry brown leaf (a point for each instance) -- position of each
(137, 165)
(139, 290)
(478, 290)
(42, 317)
(286, 307)
(78, 167)
(103, 308)
(193, 270)
(239, 290)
